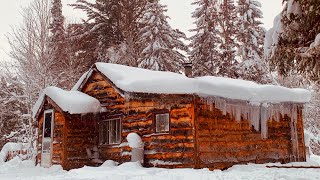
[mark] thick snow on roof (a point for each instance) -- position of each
(82, 78)
(74, 102)
(133, 79)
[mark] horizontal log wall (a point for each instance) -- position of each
(98, 87)
(80, 135)
(223, 142)
(169, 150)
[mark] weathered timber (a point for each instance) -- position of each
(221, 141)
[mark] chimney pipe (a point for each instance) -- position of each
(188, 69)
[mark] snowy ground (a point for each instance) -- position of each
(16, 169)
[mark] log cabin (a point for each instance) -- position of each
(184, 122)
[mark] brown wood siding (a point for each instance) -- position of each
(80, 134)
(169, 150)
(173, 149)
(100, 88)
(223, 142)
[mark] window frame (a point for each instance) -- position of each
(101, 131)
(155, 121)
(44, 121)
(43, 131)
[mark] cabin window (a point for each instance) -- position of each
(110, 131)
(162, 123)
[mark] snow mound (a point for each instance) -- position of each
(74, 102)
(11, 147)
(109, 163)
(134, 140)
(133, 79)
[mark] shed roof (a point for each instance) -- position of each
(73, 102)
(132, 79)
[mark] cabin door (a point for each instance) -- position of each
(47, 137)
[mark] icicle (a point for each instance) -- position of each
(255, 117)
(246, 112)
(294, 133)
(276, 112)
(211, 104)
(238, 113)
(264, 121)
(221, 105)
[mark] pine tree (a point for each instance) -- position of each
(14, 115)
(57, 37)
(250, 38)
(229, 30)
(113, 26)
(204, 55)
(159, 42)
(100, 25)
(293, 49)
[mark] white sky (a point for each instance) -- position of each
(179, 11)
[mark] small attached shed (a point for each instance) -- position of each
(203, 122)
(66, 127)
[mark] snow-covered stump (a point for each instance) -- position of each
(137, 152)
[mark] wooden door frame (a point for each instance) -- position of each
(51, 136)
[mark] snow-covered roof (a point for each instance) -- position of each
(131, 79)
(73, 102)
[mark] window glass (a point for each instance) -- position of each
(47, 125)
(110, 132)
(162, 123)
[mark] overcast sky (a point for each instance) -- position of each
(179, 11)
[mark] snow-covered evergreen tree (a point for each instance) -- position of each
(57, 37)
(204, 44)
(112, 24)
(228, 32)
(58, 44)
(292, 43)
(14, 117)
(100, 25)
(160, 44)
(250, 38)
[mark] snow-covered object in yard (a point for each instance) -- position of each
(11, 147)
(109, 163)
(133, 79)
(137, 151)
(134, 140)
(73, 102)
